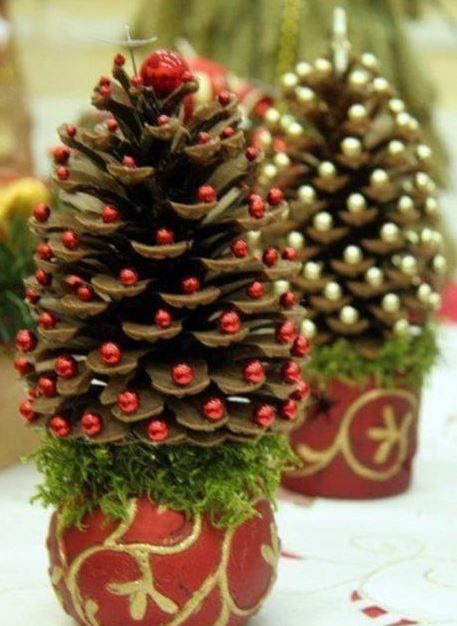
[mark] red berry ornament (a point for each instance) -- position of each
(301, 392)
(228, 132)
(251, 153)
(289, 254)
(207, 193)
(110, 353)
(47, 320)
(70, 239)
(59, 426)
(164, 236)
(27, 412)
(61, 154)
(291, 372)
(224, 98)
(254, 372)
(275, 196)
(41, 212)
(47, 386)
(288, 300)
(105, 91)
(66, 366)
(74, 281)
(289, 409)
(43, 277)
(301, 346)
(287, 332)
(204, 137)
(91, 423)
(163, 120)
(128, 401)
(239, 248)
(158, 430)
(128, 277)
(129, 161)
(119, 60)
(62, 172)
(85, 293)
(112, 125)
(255, 289)
(22, 366)
(163, 318)
(25, 340)
(164, 71)
(182, 374)
(270, 257)
(137, 81)
(110, 214)
(190, 284)
(264, 415)
(256, 206)
(213, 409)
(229, 323)
(31, 295)
(71, 130)
(44, 252)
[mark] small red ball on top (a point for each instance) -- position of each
(128, 401)
(91, 423)
(165, 71)
(59, 426)
(213, 409)
(110, 353)
(182, 374)
(25, 340)
(229, 323)
(158, 430)
(264, 415)
(41, 212)
(66, 366)
(275, 196)
(206, 193)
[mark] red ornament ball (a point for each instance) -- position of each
(110, 214)
(128, 161)
(224, 98)
(22, 366)
(62, 172)
(206, 193)
(61, 154)
(73, 281)
(128, 401)
(41, 212)
(164, 236)
(286, 332)
(112, 125)
(239, 248)
(204, 137)
(105, 90)
(31, 295)
(254, 372)
(47, 386)
(270, 257)
(158, 430)
(164, 71)
(128, 277)
(291, 372)
(275, 196)
(25, 340)
(60, 427)
(288, 300)
(163, 120)
(190, 284)
(228, 132)
(256, 206)
(229, 323)
(91, 423)
(43, 278)
(255, 289)
(251, 153)
(213, 409)
(182, 374)
(110, 353)
(44, 251)
(301, 346)
(264, 415)
(289, 254)
(66, 366)
(119, 60)
(47, 320)
(137, 81)
(70, 239)
(163, 318)
(85, 293)
(302, 391)
(27, 412)
(71, 130)
(289, 409)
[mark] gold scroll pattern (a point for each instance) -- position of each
(392, 437)
(143, 590)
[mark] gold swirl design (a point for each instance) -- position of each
(390, 435)
(140, 591)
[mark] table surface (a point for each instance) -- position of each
(390, 562)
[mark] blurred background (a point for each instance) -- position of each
(53, 51)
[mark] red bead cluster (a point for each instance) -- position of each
(291, 372)
(165, 71)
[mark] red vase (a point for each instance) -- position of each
(358, 441)
(159, 568)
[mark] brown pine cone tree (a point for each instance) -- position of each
(155, 320)
(363, 210)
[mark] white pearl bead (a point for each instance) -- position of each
(405, 204)
(281, 160)
(369, 60)
(351, 146)
(357, 112)
(379, 177)
(265, 138)
(289, 80)
(427, 235)
(396, 105)
(358, 78)
(312, 270)
(403, 119)
(374, 276)
(294, 129)
(308, 329)
(380, 84)
(390, 232)
(408, 265)
(390, 303)
(412, 236)
(323, 66)
(323, 221)
(413, 123)
(270, 170)
(304, 94)
(352, 255)
(281, 286)
(254, 237)
(286, 120)
(440, 264)
(395, 147)
(303, 69)
(356, 203)
(295, 240)
(332, 291)
(437, 238)
(349, 315)
(272, 116)
(435, 301)
(424, 292)
(423, 152)
(402, 328)
(423, 181)
(307, 194)
(327, 169)
(431, 206)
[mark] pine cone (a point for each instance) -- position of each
(362, 204)
(155, 320)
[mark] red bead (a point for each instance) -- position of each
(204, 137)
(105, 90)
(289, 409)
(110, 353)
(301, 392)
(47, 386)
(251, 153)
(73, 281)
(129, 161)
(301, 346)
(31, 295)
(33, 393)
(254, 372)
(25, 340)
(128, 277)
(264, 415)
(255, 289)
(182, 374)
(61, 154)
(206, 193)
(137, 81)
(41, 212)
(163, 318)
(190, 284)
(291, 372)
(66, 366)
(70, 239)
(43, 277)
(164, 236)
(27, 412)
(187, 76)
(163, 120)
(85, 293)
(110, 214)
(47, 320)
(22, 366)
(71, 130)
(91, 423)
(59, 426)
(213, 409)
(63, 173)
(119, 60)
(158, 430)
(44, 252)
(288, 300)
(287, 332)
(164, 71)
(224, 98)
(256, 206)
(104, 80)
(228, 132)
(128, 402)
(239, 248)
(112, 125)
(275, 196)
(270, 257)
(229, 323)
(289, 254)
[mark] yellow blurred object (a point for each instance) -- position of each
(17, 200)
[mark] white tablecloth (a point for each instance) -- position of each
(384, 563)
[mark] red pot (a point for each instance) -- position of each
(160, 569)
(358, 441)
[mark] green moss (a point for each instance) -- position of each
(220, 481)
(409, 359)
